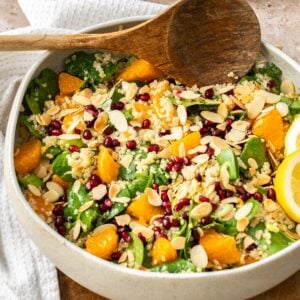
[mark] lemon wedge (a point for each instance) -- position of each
(287, 185)
(292, 137)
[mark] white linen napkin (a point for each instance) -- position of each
(24, 272)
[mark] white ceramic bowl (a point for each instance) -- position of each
(115, 282)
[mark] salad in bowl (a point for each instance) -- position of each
(148, 173)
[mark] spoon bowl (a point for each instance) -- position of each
(195, 41)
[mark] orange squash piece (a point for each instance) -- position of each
(140, 70)
(107, 167)
(162, 252)
(68, 84)
(271, 128)
(62, 183)
(143, 210)
(28, 156)
(190, 141)
(220, 247)
(103, 244)
(42, 207)
(143, 109)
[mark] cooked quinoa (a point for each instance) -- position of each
(151, 174)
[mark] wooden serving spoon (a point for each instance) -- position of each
(194, 41)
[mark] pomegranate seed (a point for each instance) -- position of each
(206, 220)
(185, 217)
(209, 93)
(204, 130)
(146, 124)
(63, 198)
(271, 194)
(117, 106)
(87, 135)
(77, 131)
(153, 148)
(108, 131)
(62, 230)
(186, 161)
(270, 84)
(91, 109)
(156, 229)
(55, 124)
(93, 182)
(59, 221)
(166, 132)
(196, 236)
(90, 124)
(258, 196)
(167, 210)
(218, 186)
(103, 208)
(203, 199)
(221, 194)
(240, 190)
(214, 206)
(131, 144)
(115, 143)
(217, 132)
(166, 223)
(108, 202)
(58, 210)
(126, 237)
(181, 204)
(145, 97)
(169, 166)
(177, 167)
(178, 160)
(208, 123)
(228, 123)
(162, 235)
(229, 93)
(251, 247)
(100, 110)
(171, 80)
(108, 142)
(199, 177)
(142, 238)
(228, 193)
(116, 255)
(164, 196)
(175, 223)
(155, 186)
(120, 230)
(210, 152)
(74, 148)
(56, 132)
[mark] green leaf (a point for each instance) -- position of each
(137, 248)
(140, 183)
(200, 102)
(255, 208)
(128, 114)
(48, 80)
(67, 143)
(24, 119)
(61, 167)
(30, 179)
(254, 148)
(228, 158)
(159, 176)
(52, 152)
(115, 210)
(178, 266)
(182, 229)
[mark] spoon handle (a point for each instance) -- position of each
(112, 41)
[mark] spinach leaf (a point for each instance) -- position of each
(61, 167)
(228, 158)
(271, 70)
(177, 266)
(115, 210)
(137, 248)
(128, 114)
(30, 179)
(201, 103)
(294, 107)
(159, 176)
(52, 152)
(140, 183)
(229, 227)
(24, 120)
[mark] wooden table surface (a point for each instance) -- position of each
(280, 23)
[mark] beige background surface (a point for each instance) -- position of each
(280, 24)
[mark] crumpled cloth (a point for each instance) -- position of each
(25, 273)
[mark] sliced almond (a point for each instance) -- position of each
(252, 163)
(243, 211)
(69, 136)
(51, 196)
(176, 134)
(123, 258)
(269, 205)
(198, 149)
(98, 230)
(282, 108)
(199, 257)
(99, 192)
(263, 179)
(145, 231)
(76, 186)
(181, 150)
(34, 190)
(231, 200)
(53, 110)
(123, 220)
(235, 135)
(121, 199)
(118, 120)
(206, 140)
(178, 242)
(114, 190)
(87, 116)
(182, 114)
(188, 172)
(242, 224)
(225, 89)
(218, 144)
(200, 159)
(201, 210)
(86, 206)
(248, 241)
(165, 153)
(222, 110)
(224, 176)
(255, 107)
(51, 185)
(153, 197)
(213, 117)
(241, 125)
(287, 87)
(269, 97)
(190, 95)
(45, 119)
(76, 230)
(131, 91)
(81, 100)
(126, 160)
(101, 122)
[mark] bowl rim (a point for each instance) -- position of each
(9, 166)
